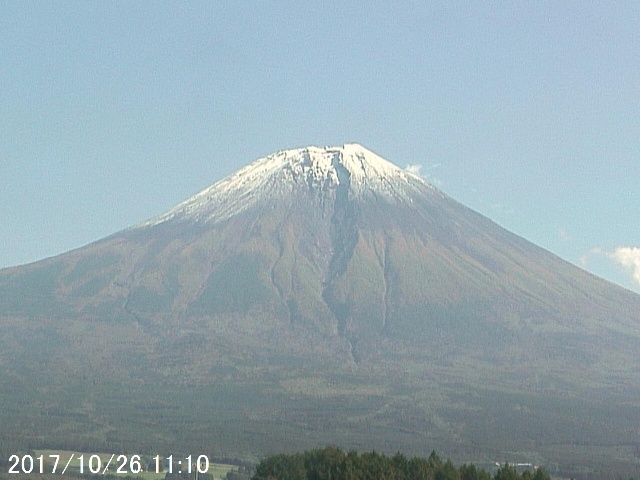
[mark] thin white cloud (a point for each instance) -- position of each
(564, 235)
(625, 257)
(502, 208)
(414, 168)
(595, 251)
(629, 258)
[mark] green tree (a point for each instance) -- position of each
(351, 466)
(324, 464)
(447, 472)
(376, 466)
(434, 460)
(541, 474)
(281, 467)
(420, 469)
(471, 472)
(401, 466)
(507, 472)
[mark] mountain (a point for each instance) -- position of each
(322, 295)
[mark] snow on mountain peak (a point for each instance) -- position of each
(281, 173)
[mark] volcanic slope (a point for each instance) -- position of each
(373, 303)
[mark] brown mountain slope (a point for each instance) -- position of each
(322, 295)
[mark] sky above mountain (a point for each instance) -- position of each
(113, 113)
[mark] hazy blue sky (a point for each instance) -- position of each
(529, 112)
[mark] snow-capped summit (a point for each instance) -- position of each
(276, 176)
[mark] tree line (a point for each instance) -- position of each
(331, 463)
